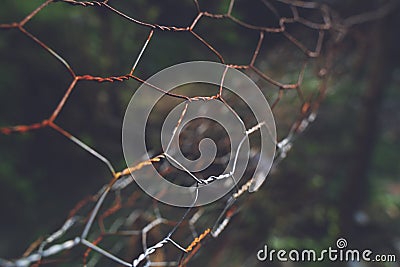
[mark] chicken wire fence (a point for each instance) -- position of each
(119, 224)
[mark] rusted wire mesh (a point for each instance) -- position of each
(119, 222)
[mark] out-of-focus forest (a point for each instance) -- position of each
(340, 179)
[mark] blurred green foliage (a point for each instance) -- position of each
(301, 204)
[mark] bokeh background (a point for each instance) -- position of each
(341, 178)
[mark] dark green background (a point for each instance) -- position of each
(346, 163)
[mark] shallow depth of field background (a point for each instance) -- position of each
(342, 177)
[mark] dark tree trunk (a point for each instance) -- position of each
(355, 192)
